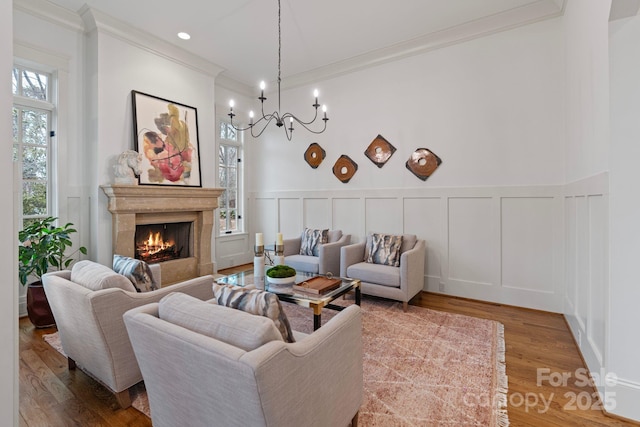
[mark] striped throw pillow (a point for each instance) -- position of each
(255, 301)
(137, 271)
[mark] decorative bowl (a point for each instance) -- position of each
(282, 280)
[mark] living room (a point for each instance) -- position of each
(534, 202)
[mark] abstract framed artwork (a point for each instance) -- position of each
(166, 134)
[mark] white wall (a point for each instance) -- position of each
(8, 252)
(625, 211)
(119, 61)
(486, 107)
(57, 47)
(491, 213)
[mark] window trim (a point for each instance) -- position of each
(49, 106)
(239, 144)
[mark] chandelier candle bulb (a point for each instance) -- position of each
(277, 116)
(279, 240)
(259, 239)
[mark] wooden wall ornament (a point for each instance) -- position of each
(314, 155)
(379, 151)
(423, 162)
(344, 168)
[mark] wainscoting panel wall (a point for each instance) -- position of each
(317, 212)
(383, 215)
(499, 244)
(527, 229)
(586, 207)
(472, 256)
(290, 219)
(347, 216)
(598, 273)
(430, 225)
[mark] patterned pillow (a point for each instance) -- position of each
(311, 239)
(255, 301)
(137, 271)
(385, 249)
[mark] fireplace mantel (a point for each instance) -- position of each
(131, 205)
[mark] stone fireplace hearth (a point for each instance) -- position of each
(134, 205)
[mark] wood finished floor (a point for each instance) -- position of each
(53, 396)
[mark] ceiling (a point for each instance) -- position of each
(241, 36)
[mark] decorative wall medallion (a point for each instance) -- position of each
(345, 168)
(423, 163)
(379, 151)
(314, 155)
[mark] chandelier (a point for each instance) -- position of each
(280, 119)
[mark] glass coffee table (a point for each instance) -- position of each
(288, 294)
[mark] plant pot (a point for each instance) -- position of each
(38, 308)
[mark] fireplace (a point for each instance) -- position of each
(184, 215)
(163, 242)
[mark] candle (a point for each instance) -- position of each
(279, 239)
(259, 241)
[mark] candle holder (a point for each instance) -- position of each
(258, 266)
(279, 257)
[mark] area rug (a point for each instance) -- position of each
(421, 368)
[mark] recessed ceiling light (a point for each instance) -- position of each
(184, 36)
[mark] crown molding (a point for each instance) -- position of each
(235, 86)
(95, 20)
(621, 9)
(50, 12)
(513, 18)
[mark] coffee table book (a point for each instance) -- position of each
(317, 285)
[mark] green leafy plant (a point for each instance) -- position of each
(281, 271)
(43, 245)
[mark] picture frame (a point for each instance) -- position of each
(165, 134)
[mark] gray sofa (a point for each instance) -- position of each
(91, 328)
(204, 364)
(398, 283)
(328, 259)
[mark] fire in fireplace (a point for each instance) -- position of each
(163, 242)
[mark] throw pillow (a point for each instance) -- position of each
(234, 327)
(311, 239)
(385, 249)
(255, 301)
(137, 271)
(96, 276)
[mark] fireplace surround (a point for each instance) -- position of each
(134, 205)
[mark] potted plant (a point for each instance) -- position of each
(42, 247)
(281, 275)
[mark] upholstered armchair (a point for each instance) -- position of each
(327, 258)
(90, 324)
(205, 364)
(400, 282)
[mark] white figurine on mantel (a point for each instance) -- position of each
(127, 169)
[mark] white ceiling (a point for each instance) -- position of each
(241, 35)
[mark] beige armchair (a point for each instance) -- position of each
(92, 331)
(398, 283)
(208, 366)
(328, 259)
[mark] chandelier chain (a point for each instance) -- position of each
(276, 116)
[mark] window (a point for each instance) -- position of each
(229, 176)
(32, 115)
